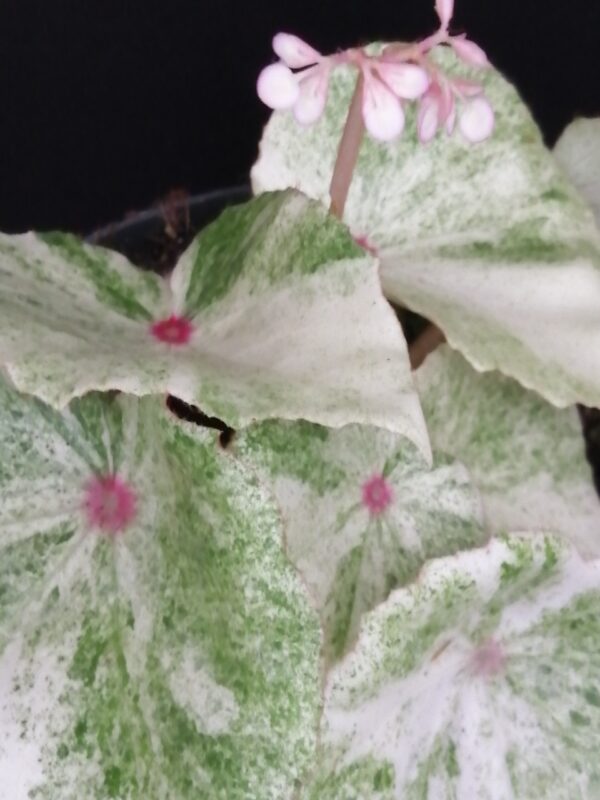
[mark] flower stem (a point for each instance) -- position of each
(347, 155)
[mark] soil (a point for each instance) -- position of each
(154, 240)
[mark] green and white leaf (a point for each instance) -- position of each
(490, 241)
(526, 458)
(176, 659)
(288, 313)
(350, 557)
(578, 153)
(415, 711)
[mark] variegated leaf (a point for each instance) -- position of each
(363, 511)
(578, 152)
(526, 458)
(478, 682)
(154, 640)
(277, 313)
(489, 241)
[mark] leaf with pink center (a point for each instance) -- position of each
(362, 510)
(151, 628)
(526, 458)
(478, 682)
(490, 241)
(273, 311)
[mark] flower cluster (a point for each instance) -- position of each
(300, 81)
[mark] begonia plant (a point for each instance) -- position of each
(378, 583)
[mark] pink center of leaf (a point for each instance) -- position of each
(377, 495)
(363, 241)
(488, 660)
(172, 330)
(109, 503)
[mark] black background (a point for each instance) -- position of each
(106, 105)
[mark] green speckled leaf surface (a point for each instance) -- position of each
(287, 315)
(362, 510)
(489, 241)
(478, 682)
(526, 457)
(175, 658)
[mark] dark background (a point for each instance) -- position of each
(106, 105)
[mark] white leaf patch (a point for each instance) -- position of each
(213, 706)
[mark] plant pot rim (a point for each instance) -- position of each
(217, 198)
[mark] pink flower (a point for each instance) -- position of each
(438, 109)
(304, 91)
(387, 82)
(300, 81)
(464, 48)
(438, 105)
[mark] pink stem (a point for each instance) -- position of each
(348, 150)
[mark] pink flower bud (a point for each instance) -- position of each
(469, 52)
(277, 87)
(313, 95)
(445, 10)
(382, 112)
(407, 81)
(294, 52)
(477, 120)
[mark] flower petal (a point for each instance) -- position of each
(465, 88)
(313, 96)
(277, 87)
(382, 112)
(444, 9)
(451, 120)
(447, 102)
(294, 52)
(408, 81)
(428, 120)
(477, 120)
(469, 52)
